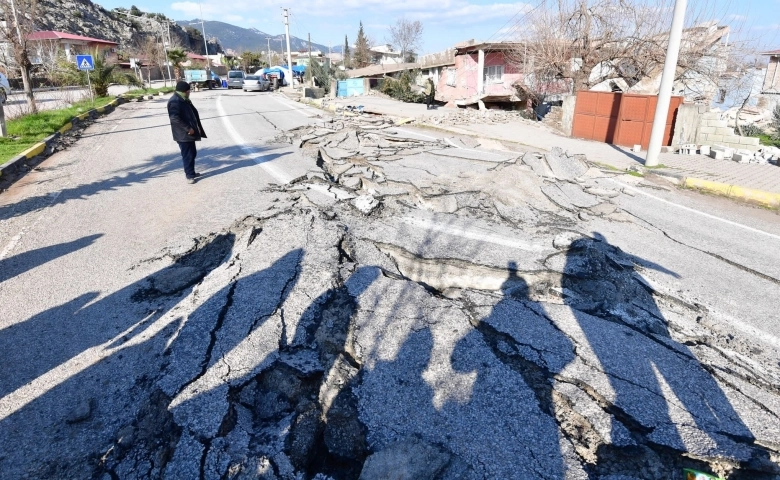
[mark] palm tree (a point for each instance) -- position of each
(177, 56)
(103, 75)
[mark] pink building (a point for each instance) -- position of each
(478, 74)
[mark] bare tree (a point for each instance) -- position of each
(150, 53)
(19, 23)
(406, 35)
(622, 42)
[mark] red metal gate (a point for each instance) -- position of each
(620, 118)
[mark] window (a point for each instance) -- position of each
(451, 77)
(494, 74)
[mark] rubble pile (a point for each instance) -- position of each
(412, 309)
(469, 116)
(356, 159)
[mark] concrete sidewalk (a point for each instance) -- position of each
(760, 183)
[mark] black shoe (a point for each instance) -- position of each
(197, 174)
(191, 181)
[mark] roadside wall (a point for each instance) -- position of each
(714, 131)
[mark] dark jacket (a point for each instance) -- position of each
(184, 116)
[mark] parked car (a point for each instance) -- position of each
(256, 83)
(235, 79)
(5, 88)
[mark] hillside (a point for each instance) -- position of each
(82, 17)
(242, 39)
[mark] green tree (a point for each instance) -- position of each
(177, 56)
(135, 11)
(362, 56)
(252, 61)
(774, 123)
(101, 77)
(345, 53)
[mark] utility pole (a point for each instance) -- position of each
(667, 82)
(206, 45)
(286, 16)
(269, 51)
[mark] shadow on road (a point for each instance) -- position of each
(89, 351)
(212, 161)
(18, 264)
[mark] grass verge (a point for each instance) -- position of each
(24, 132)
(147, 91)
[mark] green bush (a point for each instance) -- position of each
(775, 123)
(401, 88)
(750, 131)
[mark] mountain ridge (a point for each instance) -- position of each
(240, 39)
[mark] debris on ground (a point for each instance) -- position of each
(412, 309)
(470, 116)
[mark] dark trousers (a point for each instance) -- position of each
(188, 154)
(429, 100)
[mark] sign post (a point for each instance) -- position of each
(85, 63)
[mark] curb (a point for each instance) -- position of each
(768, 199)
(15, 163)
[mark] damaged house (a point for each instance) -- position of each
(703, 53)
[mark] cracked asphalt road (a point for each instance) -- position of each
(352, 300)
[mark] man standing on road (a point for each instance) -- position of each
(430, 91)
(186, 127)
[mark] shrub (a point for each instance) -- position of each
(750, 131)
(775, 122)
(401, 88)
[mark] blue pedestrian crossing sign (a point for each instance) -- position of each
(84, 62)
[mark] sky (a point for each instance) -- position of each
(445, 22)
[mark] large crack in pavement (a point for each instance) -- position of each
(407, 314)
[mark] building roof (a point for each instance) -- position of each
(771, 52)
(381, 70)
(195, 56)
(53, 35)
(386, 49)
(471, 46)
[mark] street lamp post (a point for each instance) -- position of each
(667, 82)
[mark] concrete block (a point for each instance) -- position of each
(704, 149)
(711, 116)
(724, 131)
(707, 130)
(742, 157)
(716, 154)
(688, 149)
(711, 138)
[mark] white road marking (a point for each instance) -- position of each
(297, 108)
(256, 155)
(472, 234)
(692, 210)
(117, 124)
(15, 240)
